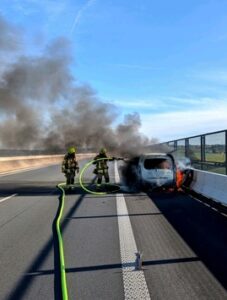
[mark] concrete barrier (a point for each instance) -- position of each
(210, 185)
(9, 164)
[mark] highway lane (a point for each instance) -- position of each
(171, 240)
(26, 234)
(92, 246)
(180, 259)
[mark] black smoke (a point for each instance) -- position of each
(42, 106)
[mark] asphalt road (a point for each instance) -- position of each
(184, 242)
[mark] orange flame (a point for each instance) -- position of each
(179, 177)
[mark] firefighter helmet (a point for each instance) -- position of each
(71, 150)
(102, 151)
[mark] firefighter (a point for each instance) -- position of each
(101, 168)
(70, 165)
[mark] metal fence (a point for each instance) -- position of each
(206, 152)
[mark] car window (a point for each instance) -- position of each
(157, 163)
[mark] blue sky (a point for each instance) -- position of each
(166, 60)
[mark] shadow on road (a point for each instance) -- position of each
(119, 266)
(115, 216)
(28, 188)
(202, 228)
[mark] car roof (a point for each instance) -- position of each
(153, 154)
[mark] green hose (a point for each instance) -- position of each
(61, 248)
(81, 178)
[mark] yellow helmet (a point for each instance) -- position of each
(102, 151)
(71, 150)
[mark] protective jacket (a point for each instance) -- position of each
(101, 165)
(70, 164)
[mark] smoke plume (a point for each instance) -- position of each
(44, 107)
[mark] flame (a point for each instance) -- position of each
(179, 177)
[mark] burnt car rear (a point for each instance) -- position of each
(156, 170)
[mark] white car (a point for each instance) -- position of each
(156, 170)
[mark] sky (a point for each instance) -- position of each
(166, 60)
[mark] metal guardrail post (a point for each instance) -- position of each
(175, 145)
(186, 147)
(203, 147)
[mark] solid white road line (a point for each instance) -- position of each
(9, 197)
(135, 286)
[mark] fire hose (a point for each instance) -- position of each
(60, 245)
(88, 190)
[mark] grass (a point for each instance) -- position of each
(216, 157)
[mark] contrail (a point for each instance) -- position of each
(80, 13)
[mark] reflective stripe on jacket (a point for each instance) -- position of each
(69, 164)
(101, 165)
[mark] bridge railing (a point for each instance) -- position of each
(206, 151)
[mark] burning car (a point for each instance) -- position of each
(157, 170)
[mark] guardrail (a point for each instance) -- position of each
(210, 188)
(210, 185)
